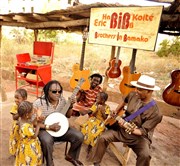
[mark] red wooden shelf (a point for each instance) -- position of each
(32, 74)
(41, 75)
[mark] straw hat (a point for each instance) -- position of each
(145, 82)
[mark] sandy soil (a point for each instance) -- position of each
(165, 147)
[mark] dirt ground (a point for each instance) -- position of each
(165, 147)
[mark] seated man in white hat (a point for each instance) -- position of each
(143, 111)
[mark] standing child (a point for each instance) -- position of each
(94, 127)
(19, 96)
(29, 148)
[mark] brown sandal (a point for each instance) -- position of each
(80, 164)
(73, 161)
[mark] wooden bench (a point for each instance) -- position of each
(121, 154)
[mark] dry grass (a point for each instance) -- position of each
(97, 60)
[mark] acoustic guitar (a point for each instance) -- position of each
(129, 126)
(114, 70)
(111, 120)
(78, 71)
(125, 86)
(171, 94)
(59, 117)
(129, 75)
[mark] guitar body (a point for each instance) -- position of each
(125, 86)
(110, 121)
(77, 75)
(78, 71)
(171, 94)
(114, 70)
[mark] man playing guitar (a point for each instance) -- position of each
(140, 137)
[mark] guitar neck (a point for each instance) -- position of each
(132, 62)
(82, 55)
(118, 118)
(68, 104)
(76, 90)
(66, 107)
(117, 55)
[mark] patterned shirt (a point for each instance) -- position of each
(99, 114)
(14, 109)
(91, 95)
(41, 104)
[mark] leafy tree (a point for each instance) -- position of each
(48, 34)
(175, 47)
(21, 36)
(164, 48)
(169, 48)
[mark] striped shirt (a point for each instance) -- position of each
(90, 99)
(48, 109)
(91, 95)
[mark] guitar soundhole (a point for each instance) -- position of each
(130, 86)
(177, 91)
(77, 80)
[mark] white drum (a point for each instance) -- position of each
(63, 122)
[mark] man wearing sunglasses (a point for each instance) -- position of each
(52, 101)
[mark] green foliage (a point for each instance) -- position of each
(48, 34)
(164, 50)
(21, 36)
(175, 46)
(169, 48)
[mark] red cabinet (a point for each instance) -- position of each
(35, 73)
(34, 76)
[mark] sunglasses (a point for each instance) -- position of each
(55, 91)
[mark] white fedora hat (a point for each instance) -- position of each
(145, 82)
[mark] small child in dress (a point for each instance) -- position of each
(95, 125)
(29, 148)
(19, 96)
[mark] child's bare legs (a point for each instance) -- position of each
(89, 148)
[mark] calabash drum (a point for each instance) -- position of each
(63, 122)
